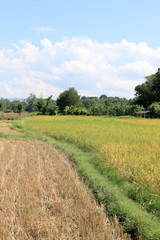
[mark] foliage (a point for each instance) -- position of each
(70, 103)
(98, 110)
(132, 110)
(68, 98)
(154, 109)
(5, 105)
(118, 109)
(47, 106)
(31, 102)
(41, 105)
(90, 101)
(149, 92)
(17, 106)
(73, 110)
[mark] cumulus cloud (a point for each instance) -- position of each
(92, 68)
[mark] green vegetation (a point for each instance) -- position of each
(70, 103)
(68, 98)
(149, 92)
(154, 109)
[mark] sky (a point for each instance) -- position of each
(96, 46)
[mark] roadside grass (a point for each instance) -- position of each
(136, 207)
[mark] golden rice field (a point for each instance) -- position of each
(41, 197)
(131, 146)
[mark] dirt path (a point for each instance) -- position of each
(5, 128)
(41, 197)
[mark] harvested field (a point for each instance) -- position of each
(5, 123)
(41, 197)
(8, 131)
(11, 116)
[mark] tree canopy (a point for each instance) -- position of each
(68, 98)
(149, 92)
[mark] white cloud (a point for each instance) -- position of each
(92, 68)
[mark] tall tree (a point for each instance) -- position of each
(68, 98)
(17, 106)
(149, 92)
(47, 106)
(31, 103)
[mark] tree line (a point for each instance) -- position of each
(147, 97)
(70, 103)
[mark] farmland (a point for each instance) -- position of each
(130, 146)
(118, 158)
(42, 197)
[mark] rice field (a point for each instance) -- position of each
(131, 146)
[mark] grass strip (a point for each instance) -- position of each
(140, 194)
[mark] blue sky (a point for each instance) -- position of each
(97, 46)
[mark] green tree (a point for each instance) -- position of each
(99, 110)
(118, 108)
(133, 109)
(149, 92)
(154, 109)
(47, 106)
(5, 105)
(68, 98)
(73, 110)
(103, 97)
(41, 106)
(31, 102)
(17, 106)
(90, 101)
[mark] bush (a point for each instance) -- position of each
(154, 109)
(8, 111)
